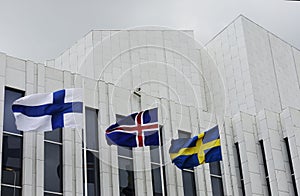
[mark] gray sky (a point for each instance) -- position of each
(42, 29)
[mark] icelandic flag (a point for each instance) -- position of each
(49, 111)
(136, 130)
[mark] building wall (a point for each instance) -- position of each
(260, 74)
(250, 92)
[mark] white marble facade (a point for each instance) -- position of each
(245, 79)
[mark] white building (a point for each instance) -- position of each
(251, 91)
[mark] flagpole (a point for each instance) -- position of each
(84, 153)
(161, 163)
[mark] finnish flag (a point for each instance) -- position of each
(48, 111)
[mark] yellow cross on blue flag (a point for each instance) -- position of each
(187, 153)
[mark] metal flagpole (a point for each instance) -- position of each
(161, 163)
(161, 158)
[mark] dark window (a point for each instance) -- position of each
(157, 166)
(265, 166)
(93, 181)
(216, 178)
(11, 191)
(91, 121)
(12, 149)
(126, 173)
(188, 179)
(51, 194)
(240, 169)
(156, 180)
(125, 151)
(12, 160)
(154, 153)
(53, 167)
(53, 180)
(215, 168)
(286, 141)
(9, 120)
(217, 186)
(165, 181)
(126, 177)
(184, 134)
(188, 176)
(91, 173)
(55, 135)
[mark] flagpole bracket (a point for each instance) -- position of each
(137, 92)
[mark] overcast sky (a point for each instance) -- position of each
(42, 29)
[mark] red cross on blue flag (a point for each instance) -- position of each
(136, 130)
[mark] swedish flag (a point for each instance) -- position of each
(190, 152)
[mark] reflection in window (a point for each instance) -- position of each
(126, 177)
(53, 181)
(126, 173)
(11, 181)
(188, 176)
(216, 178)
(91, 173)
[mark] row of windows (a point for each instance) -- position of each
(188, 176)
(267, 177)
(11, 181)
(12, 151)
(12, 160)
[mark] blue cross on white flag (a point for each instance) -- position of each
(48, 111)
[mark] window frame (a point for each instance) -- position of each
(161, 164)
(217, 177)
(287, 145)
(267, 177)
(85, 149)
(118, 116)
(60, 144)
(240, 168)
(187, 135)
(12, 134)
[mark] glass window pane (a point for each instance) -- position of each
(183, 134)
(12, 160)
(154, 153)
(156, 180)
(83, 171)
(189, 186)
(10, 191)
(215, 168)
(119, 117)
(50, 194)
(91, 121)
(55, 135)
(93, 186)
(9, 119)
(126, 177)
(125, 151)
(217, 186)
(53, 167)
